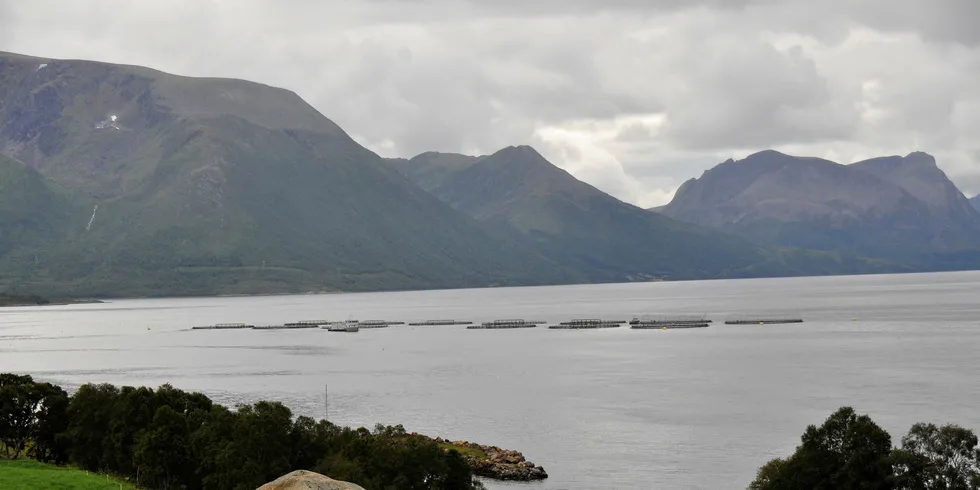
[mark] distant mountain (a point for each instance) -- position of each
(121, 180)
(975, 201)
(519, 195)
(902, 209)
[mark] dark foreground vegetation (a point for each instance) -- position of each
(850, 452)
(167, 438)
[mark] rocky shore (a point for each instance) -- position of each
(499, 464)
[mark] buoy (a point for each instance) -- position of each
(762, 323)
(665, 329)
(853, 319)
(147, 328)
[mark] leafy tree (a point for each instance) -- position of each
(50, 443)
(848, 451)
(210, 442)
(259, 449)
(163, 451)
(937, 458)
(19, 400)
(133, 411)
(91, 413)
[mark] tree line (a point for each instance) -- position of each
(851, 452)
(170, 439)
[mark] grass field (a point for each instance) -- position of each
(26, 474)
(465, 451)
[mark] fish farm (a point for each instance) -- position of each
(650, 322)
(428, 323)
(224, 326)
(763, 319)
(287, 326)
(667, 326)
(587, 323)
(371, 323)
(504, 324)
(669, 322)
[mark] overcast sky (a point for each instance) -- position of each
(632, 96)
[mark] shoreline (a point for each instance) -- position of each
(59, 302)
(493, 462)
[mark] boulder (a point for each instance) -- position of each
(308, 480)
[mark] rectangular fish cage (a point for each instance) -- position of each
(223, 326)
(670, 320)
(508, 323)
(763, 318)
(438, 323)
(587, 323)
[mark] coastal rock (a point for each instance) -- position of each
(308, 480)
(499, 464)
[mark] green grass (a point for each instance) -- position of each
(465, 451)
(31, 475)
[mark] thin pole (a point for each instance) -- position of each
(326, 403)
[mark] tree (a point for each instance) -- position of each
(19, 402)
(133, 412)
(91, 413)
(937, 458)
(848, 451)
(163, 451)
(259, 450)
(50, 441)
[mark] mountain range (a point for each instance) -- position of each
(521, 197)
(902, 209)
(975, 201)
(125, 181)
(129, 181)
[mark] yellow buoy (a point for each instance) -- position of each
(665, 329)
(761, 323)
(853, 319)
(147, 328)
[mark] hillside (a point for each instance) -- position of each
(897, 208)
(975, 201)
(518, 194)
(149, 183)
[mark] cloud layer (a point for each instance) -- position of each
(633, 96)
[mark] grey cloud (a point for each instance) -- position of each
(753, 95)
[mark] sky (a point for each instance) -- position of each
(631, 96)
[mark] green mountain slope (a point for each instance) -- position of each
(31, 211)
(518, 194)
(213, 185)
(899, 209)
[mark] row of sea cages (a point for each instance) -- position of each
(347, 325)
(662, 322)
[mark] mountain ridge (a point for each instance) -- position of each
(219, 199)
(519, 194)
(899, 208)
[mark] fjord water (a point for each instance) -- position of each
(611, 408)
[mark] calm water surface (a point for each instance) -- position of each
(614, 408)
